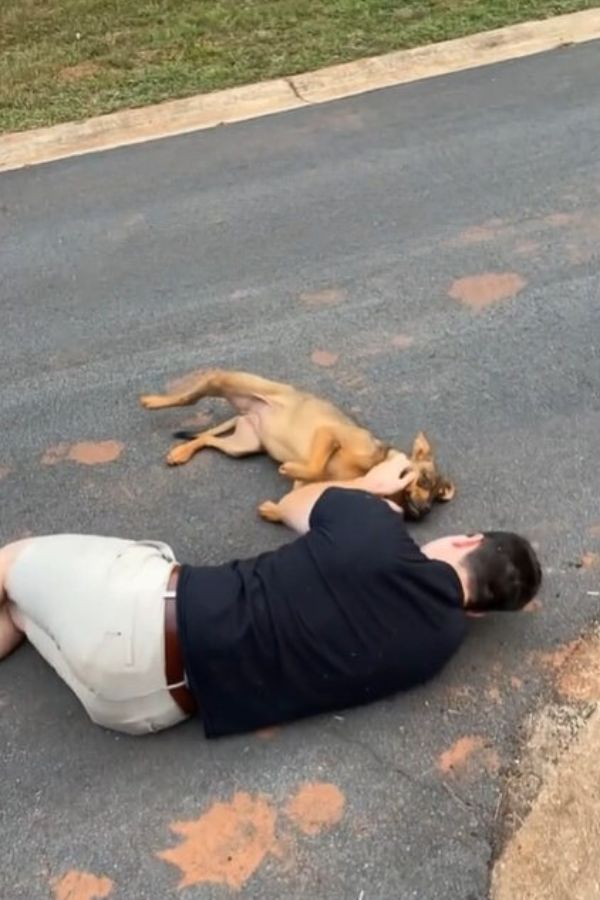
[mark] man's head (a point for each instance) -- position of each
(499, 570)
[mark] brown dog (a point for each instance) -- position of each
(311, 438)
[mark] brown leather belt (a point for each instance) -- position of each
(174, 668)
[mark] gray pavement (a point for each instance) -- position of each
(122, 270)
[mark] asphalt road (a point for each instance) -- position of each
(428, 257)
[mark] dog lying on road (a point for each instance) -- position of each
(311, 438)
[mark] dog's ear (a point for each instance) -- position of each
(421, 448)
(445, 490)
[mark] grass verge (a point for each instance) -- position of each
(63, 60)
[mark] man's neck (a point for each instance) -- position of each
(461, 574)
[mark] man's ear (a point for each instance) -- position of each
(467, 541)
(445, 490)
(421, 447)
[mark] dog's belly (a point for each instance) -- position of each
(282, 433)
(282, 449)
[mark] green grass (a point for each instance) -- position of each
(62, 60)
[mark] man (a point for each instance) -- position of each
(351, 611)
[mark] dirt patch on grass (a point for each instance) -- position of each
(80, 71)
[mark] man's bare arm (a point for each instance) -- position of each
(10, 634)
(295, 508)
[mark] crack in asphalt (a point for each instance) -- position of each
(390, 767)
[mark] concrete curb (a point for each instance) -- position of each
(554, 856)
(203, 111)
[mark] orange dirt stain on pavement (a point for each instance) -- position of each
(231, 840)
(554, 659)
(590, 560)
(86, 453)
(477, 234)
(227, 844)
(315, 807)
(466, 750)
(578, 671)
(527, 248)
(459, 754)
(324, 358)
(76, 885)
(480, 291)
(325, 297)
(4, 471)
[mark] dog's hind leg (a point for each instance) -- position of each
(243, 441)
(217, 383)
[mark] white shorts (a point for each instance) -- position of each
(93, 607)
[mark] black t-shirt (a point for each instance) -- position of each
(349, 612)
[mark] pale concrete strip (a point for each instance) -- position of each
(481, 49)
(265, 98)
(134, 126)
(554, 855)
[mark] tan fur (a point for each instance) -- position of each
(311, 438)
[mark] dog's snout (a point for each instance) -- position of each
(414, 509)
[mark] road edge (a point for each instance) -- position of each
(203, 111)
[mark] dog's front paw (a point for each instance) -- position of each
(269, 511)
(290, 470)
(151, 401)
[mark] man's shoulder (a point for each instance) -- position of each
(337, 501)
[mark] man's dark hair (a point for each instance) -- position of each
(504, 572)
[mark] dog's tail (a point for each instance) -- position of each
(186, 434)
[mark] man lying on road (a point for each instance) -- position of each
(351, 611)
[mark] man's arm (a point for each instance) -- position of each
(294, 510)
(10, 635)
